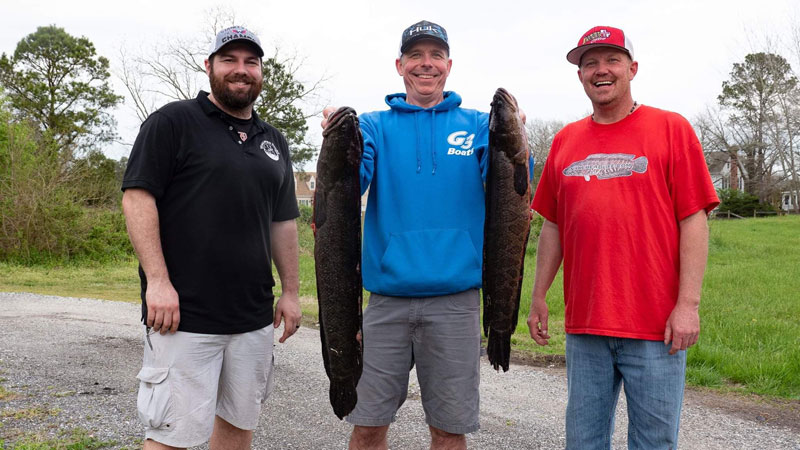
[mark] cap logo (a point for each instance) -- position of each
(596, 36)
(421, 29)
(237, 35)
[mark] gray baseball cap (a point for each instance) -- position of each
(234, 34)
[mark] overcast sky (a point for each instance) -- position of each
(685, 48)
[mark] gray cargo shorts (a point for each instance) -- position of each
(442, 336)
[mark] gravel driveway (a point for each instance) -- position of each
(73, 362)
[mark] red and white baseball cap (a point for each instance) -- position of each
(601, 36)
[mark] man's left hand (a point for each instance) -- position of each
(288, 309)
(683, 327)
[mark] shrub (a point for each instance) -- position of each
(43, 214)
(306, 213)
(741, 203)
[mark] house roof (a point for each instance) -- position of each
(301, 182)
(716, 161)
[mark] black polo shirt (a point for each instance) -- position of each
(216, 198)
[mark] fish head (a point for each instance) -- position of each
(341, 135)
(504, 109)
(506, 129)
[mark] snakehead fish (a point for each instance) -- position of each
(336, 222)
(607, 165)
(508, 199)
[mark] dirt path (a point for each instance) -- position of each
(70, 364)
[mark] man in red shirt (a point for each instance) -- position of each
(625, 194)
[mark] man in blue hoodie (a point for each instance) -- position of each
(425, 162)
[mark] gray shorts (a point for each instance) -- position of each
(188, 378)
(441, 335)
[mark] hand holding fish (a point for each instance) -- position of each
(327, 112)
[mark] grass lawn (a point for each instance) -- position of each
(750, 312)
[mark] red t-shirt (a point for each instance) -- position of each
(617, 193)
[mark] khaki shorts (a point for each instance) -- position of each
(442, 336)
(188, 378)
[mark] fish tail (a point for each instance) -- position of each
(498, 349)
(343, 396)
(640, 164)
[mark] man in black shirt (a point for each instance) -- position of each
(209, 202)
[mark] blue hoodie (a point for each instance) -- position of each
(425, 168)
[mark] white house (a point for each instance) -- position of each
(306, 183)
(789, 201)
(724, 175)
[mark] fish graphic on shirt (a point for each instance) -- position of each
(607, 165)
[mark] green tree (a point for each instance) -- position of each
(43, 212)
(278, 106)
(99, 184)
(58, 82)
(750, 97)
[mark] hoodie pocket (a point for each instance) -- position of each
(430, 262)
(155, 397)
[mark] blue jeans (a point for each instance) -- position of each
(653, 382)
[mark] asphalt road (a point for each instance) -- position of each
(76, 360)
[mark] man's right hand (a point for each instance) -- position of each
(537, 322)
(163, 312)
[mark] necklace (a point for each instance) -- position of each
(635, 104)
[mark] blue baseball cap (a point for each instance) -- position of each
(423, 30)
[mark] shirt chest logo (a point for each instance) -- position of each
(270, 149)
(461, 142)
(607, 165)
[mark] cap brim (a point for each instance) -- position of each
(574, 55)
(253, 44)
(415, 39)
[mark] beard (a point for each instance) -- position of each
(236, 100)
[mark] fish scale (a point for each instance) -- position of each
(336, 223)
(506, 228)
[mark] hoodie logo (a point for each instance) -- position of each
(463, 140)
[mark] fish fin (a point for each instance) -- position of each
(498, 349)
(515, 317)
(325, 357)
(487, 300)
(640, 164)
(487, 310)
(343, 395)
(521, 179)
(498, 346)
(318, 212)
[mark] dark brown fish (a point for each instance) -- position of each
(337, 254)
(505, 236)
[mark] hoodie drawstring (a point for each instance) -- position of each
(419, 152)
(433, 141)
